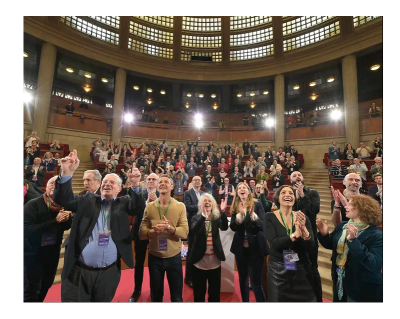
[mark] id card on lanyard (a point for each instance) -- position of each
(162, 239)
(289, 256)
(104, 235)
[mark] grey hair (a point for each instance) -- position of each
(118, 179)
(171, 181)
(95, 172)
(214, 211)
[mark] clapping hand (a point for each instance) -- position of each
(162, 224)
(242, 209)
(323, 227)
(134, 176)
(224, 203)
(352, 232)
(62, 216)
(69, 164)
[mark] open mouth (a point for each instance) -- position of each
(288, 200)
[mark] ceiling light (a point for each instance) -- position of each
(105, 80)
(252, 93)
(313, 83)
(198, 120)
(252, 105)
(189, 94)
(215, 106)
(88, 75)
(149, 101)
(266, 92)
(149, 90)
(128, 118)
(331, 79)
(162, 92)
(269, 122)
(136, 87)
(201, 95)
(296, 87)
(313, 97)
(213, 96)
(375, 67)
(336, 114)
(87, 89)
(239, 95)
(26, 55)
(70, 70)
(187, 105)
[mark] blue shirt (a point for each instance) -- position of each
(94, 255)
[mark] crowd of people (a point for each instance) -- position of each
(161, 187)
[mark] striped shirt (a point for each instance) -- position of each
(209, 260)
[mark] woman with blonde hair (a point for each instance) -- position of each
(357, 252)
(249, 244)
(207, 252)
(49, 161)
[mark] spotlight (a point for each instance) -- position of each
(266, 92)
(189, 94)
(105, 80)
(187, 105)
(239, 95)
(198, 120)
(70, 70)
(88, 75)
(313, 83)
(162, 92)
(252, 105)
(128, 118)
(26, 55)
(201, 95)
(336, 115)
(149, 90)
(375, 67)
(149, 101)
(213, 96)
(269, 122)
(296, 87)
(252, 93)
(215, 106)
(330, 79)
(136, 88)
(87, 89)
(27, 97)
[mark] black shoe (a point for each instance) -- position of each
(135, 296)
(189, 283)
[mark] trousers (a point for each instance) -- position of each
(201, 278)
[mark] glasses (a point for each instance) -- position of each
(152, 179)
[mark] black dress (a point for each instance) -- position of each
(288, 285)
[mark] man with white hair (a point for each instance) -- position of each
(91, 182)
(363, 151)
(377, 167)
(100, 234)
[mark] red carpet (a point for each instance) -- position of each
(125, 290)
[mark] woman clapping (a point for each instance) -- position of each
(357, 252)
(249, 244)
(290, 236)
(207, 252)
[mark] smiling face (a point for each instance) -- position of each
(110, 186)
(164, 185)
(258, 189)
(252, 183)
(196, 181)
(296, 177)
(90, 184)
(352, 182)
(152, 181)
(243, 192)
(206, 205)
(351, 211)
(286, 197)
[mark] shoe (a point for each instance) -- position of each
(135, 296)
(189, 283)
(250, 287)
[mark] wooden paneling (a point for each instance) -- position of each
(145, 132)
(371, 125)
(253, 135)
(76, 123)
(173, 134)
(225, 136)
(59, 103)
(317, 131)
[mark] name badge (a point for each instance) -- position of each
(277, 184)
(48, 239)
(290, 258)
(34, 177)
(162, 243)
(104, 239)
(291, 169)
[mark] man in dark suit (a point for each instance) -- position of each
(91, 182)
(100, 234)
(308, 202)
(376, 191)
(36, 172)
(150, 194)
(191, 200)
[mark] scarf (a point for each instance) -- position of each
(52, 205)
(342, 250)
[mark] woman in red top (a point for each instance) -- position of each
(135, 150)
(179, 163)
(230, 161)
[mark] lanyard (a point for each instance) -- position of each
(291, 220)
(105, 217)
(159, 209)
(208, 228)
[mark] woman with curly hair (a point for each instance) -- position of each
(249, 244)
(357, 252)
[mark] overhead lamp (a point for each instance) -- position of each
(105, 80)
(375, 67)
(213, 96)
(313, 83)
(336, 115)
(149, 90)
(162, 92)
(215, 106)
(187, 105)
(296, 87)
(331, 79)
(136, 87)
(252, 93)
(266, 92)
(313, 97)
(201, 95)
(128, 118)
(239, 95)
(198, 120)
(149, 101)
(87, 89)
(88, 75)
(70, 70)
(25, 54)
(252, 105)
(189, 95)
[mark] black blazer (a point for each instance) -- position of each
(87, 210)
(372, 193)
(190, 200)
(255, 235)
(363, 280)
(29, 172)
(198, 228)
(138, 218)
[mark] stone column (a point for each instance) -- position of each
(44, 88)
(119, 100)
(350, 97)
(279, 92)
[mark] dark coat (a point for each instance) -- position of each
(372, 193)
(198, 228)
(190, 200)
(363, 280)
(138, 218)
(87, 210)
(29, 172)
(255, 235)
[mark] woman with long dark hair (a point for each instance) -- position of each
(349, 152)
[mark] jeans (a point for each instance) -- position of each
(140, 256)
(200, 279)
(157, 268)
(244, 263)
